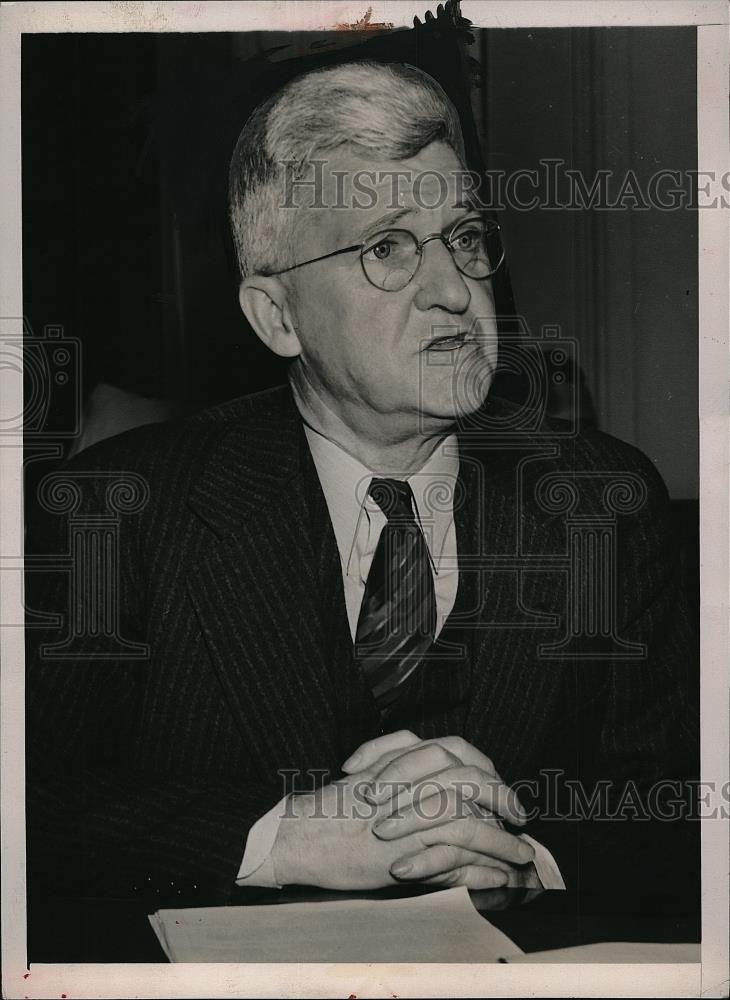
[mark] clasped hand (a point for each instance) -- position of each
(409, 810)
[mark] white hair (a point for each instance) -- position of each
(386, 110)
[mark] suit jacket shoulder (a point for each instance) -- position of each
(164, 448)
(536, 456)
(226, 449)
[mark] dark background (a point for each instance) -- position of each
(126, 143)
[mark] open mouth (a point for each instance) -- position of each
(450, 342)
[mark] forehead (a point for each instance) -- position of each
(355, 191)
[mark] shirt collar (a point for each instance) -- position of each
(345, 483)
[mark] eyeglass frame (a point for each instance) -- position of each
(371, 242)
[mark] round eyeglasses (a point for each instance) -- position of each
(391, 258)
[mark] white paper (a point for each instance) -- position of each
(622, 952)
(437, 927)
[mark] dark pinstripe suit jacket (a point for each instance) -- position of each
(144, 775)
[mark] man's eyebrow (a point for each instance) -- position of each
(389, 218)
(384, 221)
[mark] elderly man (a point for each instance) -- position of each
(352, 593)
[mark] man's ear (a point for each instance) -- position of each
(265, 304)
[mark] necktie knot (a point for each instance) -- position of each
(394, 497)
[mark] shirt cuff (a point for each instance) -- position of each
(545, 865)
(257, 868)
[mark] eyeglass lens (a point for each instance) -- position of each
(392, 257)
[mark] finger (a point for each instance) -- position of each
(487, 792)
(366, 754)
(466, 752)
(374, 769)
(470, 755)
(470, 784)
(473, 877)
(483, 838)
(428, 810)
(409, 767)
(440, 860)
(376, 754)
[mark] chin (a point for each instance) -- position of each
(460, 395)
(437, 417)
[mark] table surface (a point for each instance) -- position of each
(115, 930)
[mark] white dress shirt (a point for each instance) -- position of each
(357, 522)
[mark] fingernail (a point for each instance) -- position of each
(401, 868)
(368, 792)
(501, 879)
(526, 851)
(384, 827)
(352, 763)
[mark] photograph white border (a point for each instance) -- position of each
(163, 980)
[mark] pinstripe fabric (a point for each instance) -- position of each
(145, 776)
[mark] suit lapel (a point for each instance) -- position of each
(512, 690)
(436, 698)
(254, 587)
(355, 704)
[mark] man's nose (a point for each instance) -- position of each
(440, 283)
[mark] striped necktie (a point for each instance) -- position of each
(397, 621)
